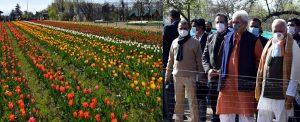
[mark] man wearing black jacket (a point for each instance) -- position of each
(170, 33)
(198, 33)
(211, 60)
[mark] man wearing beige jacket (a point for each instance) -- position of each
(185, 65)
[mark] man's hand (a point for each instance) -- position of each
(212, 73)
(166, 81)
(289, 102)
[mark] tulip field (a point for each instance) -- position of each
(52, 71)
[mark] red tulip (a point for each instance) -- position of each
(10, 105)
(87, 91)
(23, 112)
(94, 100)
(97, 87)
(125, 116)
(98, 118)
(62, 89)
(81, 114)
(46, 75)
(86, 115)
(75, 114)
(70, 95)
(93, 105)
(21, 104)
(61, 78)
(11, 117)
(85, 104)
(114, 120)
(112, 115)
(71, 103)
(31, 119)
(106, 101)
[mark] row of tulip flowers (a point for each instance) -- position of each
(142, 36)
(93, 79)
(16, 101)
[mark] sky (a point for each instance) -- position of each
(35, 5)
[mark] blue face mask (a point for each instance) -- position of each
(193, 31)
(236, 27)
(254, 31)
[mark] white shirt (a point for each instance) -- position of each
(195, 37)
(295, 73)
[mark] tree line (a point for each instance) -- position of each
(81, 10)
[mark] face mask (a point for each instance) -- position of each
(291, 30)
(254, 31)
(193, 31)
(220, 27)
(277, 37)
(183, 33)
(236, 27)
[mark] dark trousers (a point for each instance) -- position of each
(296, 117)
(202, 104)
(212, 99)
(201, 91)
(168, 100)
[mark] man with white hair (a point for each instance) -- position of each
(241, 55)
(274, 75)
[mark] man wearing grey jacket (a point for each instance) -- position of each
(185, 65)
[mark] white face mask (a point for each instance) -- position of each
(220, 27)
(277, 37)
(291, 30)
(183, 33)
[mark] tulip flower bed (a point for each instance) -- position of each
(17, 103)
(146, 37)
(90, 78)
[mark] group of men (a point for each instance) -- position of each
(236, 71)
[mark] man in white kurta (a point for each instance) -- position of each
(274, 75)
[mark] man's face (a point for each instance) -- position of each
(239, 24)
(293, 24)
(183, 26)
(220, 20)
(279, 28)
(194, 25)
(208, 26)
(254, 24)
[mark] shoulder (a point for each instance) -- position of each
(193, 40)
(297, 37)
(175, 41)
(167, 27)
(251, 37)
(228, 35)
(211, 36)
